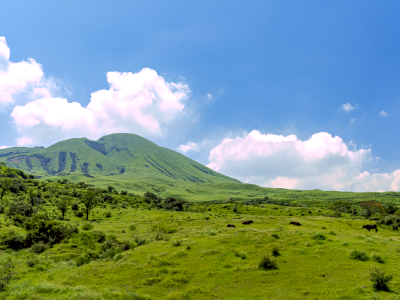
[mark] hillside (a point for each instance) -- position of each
(125, 160)
(133, 247)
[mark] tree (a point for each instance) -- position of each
(90, 201)
(4, 186)
(63, 205)
(111, 189)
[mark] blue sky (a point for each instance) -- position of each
(277, 67)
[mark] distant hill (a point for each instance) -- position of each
(114, 158)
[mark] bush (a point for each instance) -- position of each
(275, 250)
(319, 237)
(359, 255)
(75, 206)
(140, 240)
(83, 260)
(380, 280)
(275, 236)
(39, 247)
(378, 258)
(87, 226)
(13, 240)
(108, 214)
(240, 254)
(20, 208)
(99, 236)
(79, 214)
(41, 228)
(268, 263)
(5, 275)
(132, 227)
(177, 243)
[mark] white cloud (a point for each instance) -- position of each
(3, 147)
(347, 107)
(322, 161)
(18, 78)
(142, 103)
(353, 120)
(383, 113)
(190, 146)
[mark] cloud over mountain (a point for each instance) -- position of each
(322, 161)
(142, 103)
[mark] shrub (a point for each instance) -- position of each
(275, 250)
(380, 280)
(177, 243)
(5, 275)
(32, 262)
(99, 236)
(378, 258)
(13, 240)
(240, 254)
(39, 247)
(319, 237)
(75, 206)
(42, 228)
(2, 208)
(359, 255)
(83, 260)
(267, 263)
(139, 240)
(87, 226)
(275, 236)
(79, 214)
(108, 214)
(132, 227)
(20, 208)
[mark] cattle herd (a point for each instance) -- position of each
(368, 227)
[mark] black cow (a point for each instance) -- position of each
(369, 227)
(247, 222)
(230, 225)
(295, 223)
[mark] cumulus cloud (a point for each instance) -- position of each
(383, 113)
(347, 107)
(190, 146)
(322, 161)
(25, 77)
(3, 147)
(142, 103)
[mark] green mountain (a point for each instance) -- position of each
(125, 160)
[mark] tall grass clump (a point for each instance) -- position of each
(380, 280)
(319, 237)
(378, 258)
(267, 263)
(359, 255)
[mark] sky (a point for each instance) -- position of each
(290, 94)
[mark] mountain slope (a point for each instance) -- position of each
(123, 154)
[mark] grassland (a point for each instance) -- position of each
(203, 259)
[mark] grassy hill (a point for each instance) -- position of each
(135, 247)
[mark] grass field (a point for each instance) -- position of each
(203, 259)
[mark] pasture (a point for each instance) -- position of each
(194, 255)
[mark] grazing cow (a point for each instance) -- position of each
(369, 227)
(295, 223)
(247, 222)
(230, 225)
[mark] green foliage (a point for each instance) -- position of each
(41, 228)
(319, 237)
(380, 280)
(13, 240)
(267, 263)
(90, 201)
(39, 247)
(378, 258)
(359, 255)
(63, 205)
(87, 226)
(6, 273)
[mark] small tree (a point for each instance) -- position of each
(380, 280)
(90, 201)
(63, 205)
(110, 189)
(5, 185)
